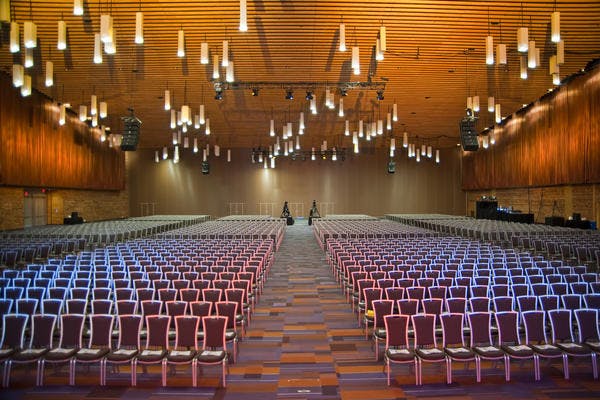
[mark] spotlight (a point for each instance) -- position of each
(309, 95)
(343, 92)
(380, 95)
(218, 95)
(289, 95)
(255, 92)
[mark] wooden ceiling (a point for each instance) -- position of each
(435, 58)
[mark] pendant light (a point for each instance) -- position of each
(389, 122)
(347, 128)
(437, 156)
(423, 150)
(491, 104)
(313, 106)
(181, 43)
(62, 114)
(201, 115)
(243, 17)
(392, 144)
(61, 43)
(165, 153)
(156, 159)
(380, 127)
(378, 51)
(26, 87)
(207, 127)
(94, 121)
(167, 100)
(217, 150)
(225, 55)
(356, 150)
(229, 74)
(110, 48)
(301, 125)
(272, 128)
(395, 112)
(342, 37)
(139, 27)
(469, 103)
(555, 26)
(77, 7)
(361, 129)
(106, 28)
(4, 10)
(489, 50)
(204, 53)
(215, 73)
(228, 155)
(429, 152)
(102, 109)
(476, 105)
(498, 113)
(354, 137)
(560, 52)
(341, 107)
(93, 104)
(382, 39)
(82, 112)
(501, 53)
(97, 49)
(15, 38)
(49, 73)
(195, 150)
(297, 142)
(29, 35)
(356, 60)
(523, 67)
(18, 72)
(28, 58)
(405, 139)
(522, 36)
(531, 61)
(173, 123)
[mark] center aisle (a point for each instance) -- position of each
(304, 340)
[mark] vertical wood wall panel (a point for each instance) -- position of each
(554, 142)
(36, 151)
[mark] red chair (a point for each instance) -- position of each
(100, 344)
(454, 342)
(397, 349)
(157, 343)
(128, 345)
(186, 346)
(214, 347)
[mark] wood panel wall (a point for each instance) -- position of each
(556, 141)
(35, 151)
(360, 184)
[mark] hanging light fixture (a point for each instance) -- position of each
(429, 152)
(489, 50)
(382, 38)
(106, 27)
(361, 129)
(225, 55)
(498, 113)
(29, 35)
(243, 17)
(204, 155)
(4, 10)
(228, 155)
(215, 73)
(437, 156)
(395, 112)
(380, 127)
(207, 149)
(195, 149)
(555, 26)
(181, 43)
(97, 49)
(469, 103)
(491, 104)
(356, 150)
(110, 48)
(82, 112)
(28, 58)
(18, 72)
(77, 7)
(167, 100)
(217, 150)
(531, 55)
(61, 43)
(301, 125)
(173, 123)
(331, 100)
(501, 53)
(15, 38)
(342, 37)
(229, 76)
(560, 52)
(26, 87)
(423, 150)
(356, 60)
(418, 157)
(202, 119)
(62, 114)
(405, 139)
(204, 53)
(297, 142)
(156, 159)
(139, 27)
(93, 104)
(341, 107)
(523, 67)
(389, 122)
(522, 39)
(272, 128)
(476, 105)
(102, 109)
(378, 51)
(94, 120)
(207, 127)
(165, 153)
(333, 154)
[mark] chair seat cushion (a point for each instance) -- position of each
(91, 354)
(491, 352)
(207, 356)
(121, 355)
(400, 355)
(574, 348)
(459, 352)
(59, 354)
(5, 353)
(181, 356)
(547, 350)
(380, 333)
(430, 354)
(595, 346)
(151, 356)
(519, 351)
(28, 355)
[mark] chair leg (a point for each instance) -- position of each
(6, 373)
(478, 368)
(566, 366)
(224, 373)
(419, 372)
(194, 373)
(42, 367)
(448, 370)
(38, 372)
(164, 372)
(389, 367)
(507, 368)
(594, 365)
(133, 372)
(536, 367)
(72, 372)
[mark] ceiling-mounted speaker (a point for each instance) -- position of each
(391, 167)
(205, 168)
(131, 132)
(468, 134)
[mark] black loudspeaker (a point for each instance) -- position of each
(205, 168)
(468, 135)
(486, 210)
(131, 133)
(391, 167)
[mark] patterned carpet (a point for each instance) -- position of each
(304, 343)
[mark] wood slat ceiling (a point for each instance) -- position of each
(435, 57)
